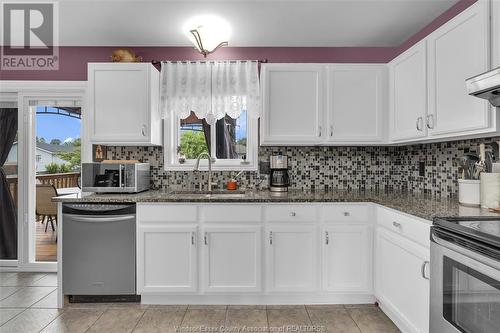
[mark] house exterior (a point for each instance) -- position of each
(45, 154)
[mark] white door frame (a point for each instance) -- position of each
(26, 92)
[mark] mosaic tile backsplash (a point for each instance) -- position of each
(330, 168)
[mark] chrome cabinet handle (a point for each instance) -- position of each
(331, 130)
(293, 214)
(206, 239)
(320, 129)
(143, 130)
(430, 120)
(327, 238)
(347, 214)
(270, 238)
(422, 269)
(192, 238)
(396, 224)
(419, 124)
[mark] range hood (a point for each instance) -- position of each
(486, 85)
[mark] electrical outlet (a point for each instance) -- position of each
(421, 168)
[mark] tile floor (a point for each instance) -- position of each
(28, 304)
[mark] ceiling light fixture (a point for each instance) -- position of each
(207, 33)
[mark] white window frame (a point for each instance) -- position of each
(172, 138)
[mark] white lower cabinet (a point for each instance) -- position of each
(232, 259)
(167, 259)
(346, 258)
(401, 280)
(292, 254)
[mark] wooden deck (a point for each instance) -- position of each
(46, 245)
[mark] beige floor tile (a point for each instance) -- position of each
(73, 321)
(5, 276)
(371, 319)
(8, 314)
(207, 307)
(7, 291)
(31, 320)
(117, 320)
(159, 320)
(26, 297)
(286, 307)
(207, 317)
(122, 305)
(246, 307)
(22, 279)
(281, 317)
(92, 306)
(333, 320)
(49, 280)
(48, 302)
(246, 317)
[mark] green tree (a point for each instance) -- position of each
(74, 157)
(193, 144)
(52, 168)
(40, 140)
(55, 142)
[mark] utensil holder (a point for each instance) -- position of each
(490, 190)
(469, 192)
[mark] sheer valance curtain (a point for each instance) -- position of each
(211, 89)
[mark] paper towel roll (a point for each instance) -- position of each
(490, 190)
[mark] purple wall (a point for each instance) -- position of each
(456, 9)
(73, 60)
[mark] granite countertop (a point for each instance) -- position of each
(420, 205)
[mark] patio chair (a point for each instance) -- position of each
(44, 205)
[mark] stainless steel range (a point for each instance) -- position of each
(465, 275)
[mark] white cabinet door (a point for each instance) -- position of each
(293, 104)
(346, 258)
(232, 259)
(166, 259)
(292, 253)
(408, 94)
(355, 103)
(123, 103)
(458, 50)
(400, 286)
(495, 30)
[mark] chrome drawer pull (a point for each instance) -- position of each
(347, 214)
(396, 224)
(327, 238)
(293, 214)
(270, 238)
(192, 238)
(206, 239)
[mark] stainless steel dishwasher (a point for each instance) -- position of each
(98, 252)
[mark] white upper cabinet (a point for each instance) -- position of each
(495, 37)
(456, 51)
(355, 103)
(293, 102)
(408, 94)
(124, 104)
(316, 104)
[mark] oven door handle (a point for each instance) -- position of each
(99, 219)
(471, 254)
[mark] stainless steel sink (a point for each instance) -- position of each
(222, 194)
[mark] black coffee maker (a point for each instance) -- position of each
(279, 179)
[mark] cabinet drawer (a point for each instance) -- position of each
(166, 213)
(413, 228)
(347, 213)
(292, 213)
(231, 213)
